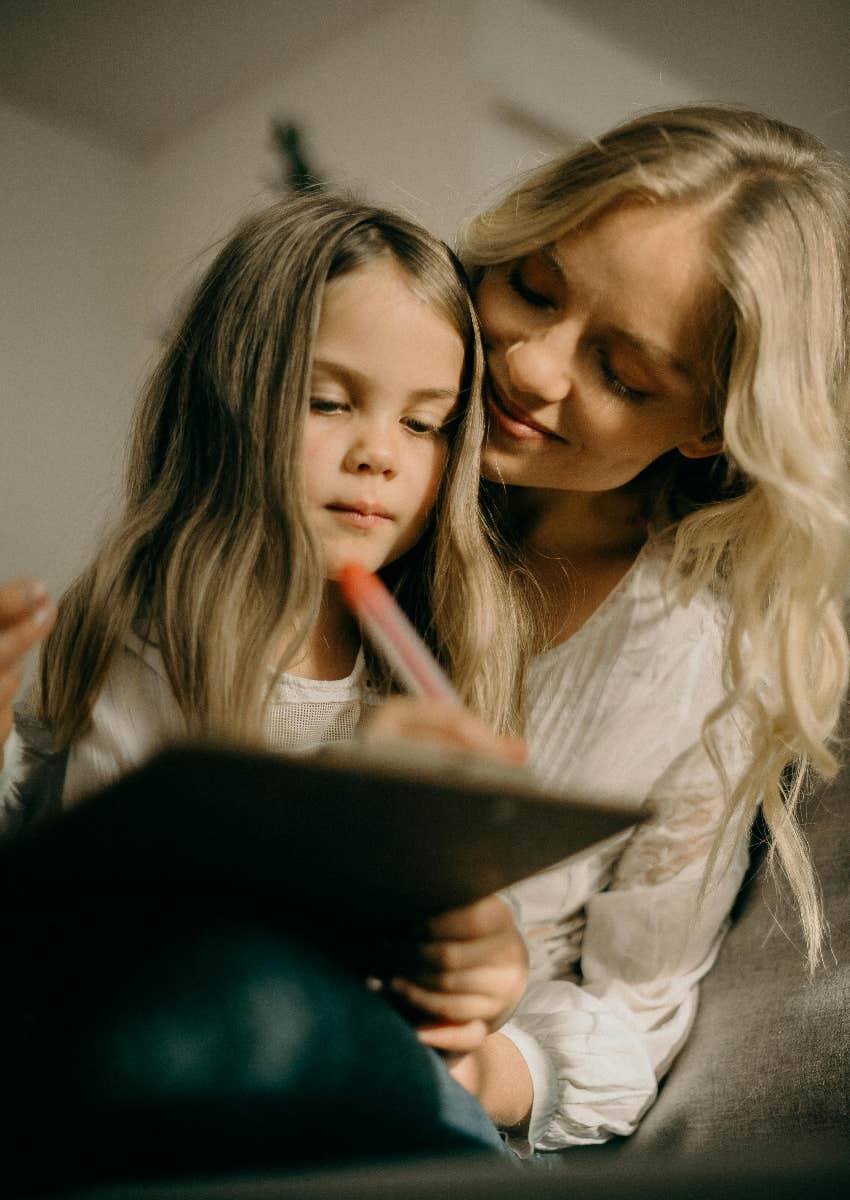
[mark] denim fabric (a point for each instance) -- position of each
(208, 1048)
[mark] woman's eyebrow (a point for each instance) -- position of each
(656, 354)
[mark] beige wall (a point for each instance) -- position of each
(70, 340)
(427, 108)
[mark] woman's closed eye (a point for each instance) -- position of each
(615, 384)
(529, 292)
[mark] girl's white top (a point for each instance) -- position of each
(136, 714)
(617, 935)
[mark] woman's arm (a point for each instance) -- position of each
(598, 1038)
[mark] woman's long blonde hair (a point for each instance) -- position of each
(212, 556)
(769, 520)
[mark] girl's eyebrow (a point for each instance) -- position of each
(656, 354)
(351, 377)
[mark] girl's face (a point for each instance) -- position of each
(386, 375)
(594, 353)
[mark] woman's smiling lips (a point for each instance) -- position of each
(362, 516)
(513, 421)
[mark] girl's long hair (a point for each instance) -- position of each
(212, 558)
(769, 520)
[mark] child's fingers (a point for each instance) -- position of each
(454, 1039)
(20, 596)
(419, 719)
(483, 979)
(488, 916)
(443, 958)
(448, 1006)
(10, 680)
(20, 634)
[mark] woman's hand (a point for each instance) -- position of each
(26, 616)
(465, 977)
(418, 719)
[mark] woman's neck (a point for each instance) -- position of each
(330, 651)
(578, 546)
(581, 526)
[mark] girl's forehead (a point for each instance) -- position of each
(384, 281)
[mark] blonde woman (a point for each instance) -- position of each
(665, 317)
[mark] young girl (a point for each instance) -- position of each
(321, 393)
(665, 314)
(319, 403)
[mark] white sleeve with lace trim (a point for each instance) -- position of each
(597, 1043)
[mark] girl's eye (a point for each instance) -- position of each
(616, 385)
(528, 294)
(326, 407)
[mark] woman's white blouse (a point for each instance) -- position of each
(619, 935)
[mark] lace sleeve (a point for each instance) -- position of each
(598, 1043)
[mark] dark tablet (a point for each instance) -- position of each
(351, 839)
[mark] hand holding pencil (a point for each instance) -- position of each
(434, 712)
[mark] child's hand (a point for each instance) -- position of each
(467, 975)
(26, 616)
(417, 719)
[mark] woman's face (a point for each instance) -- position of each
(594, 352)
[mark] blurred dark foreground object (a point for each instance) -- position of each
(765, 1174)
(757, 1105)
(347, 848)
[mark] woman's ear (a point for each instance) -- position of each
(702, 447)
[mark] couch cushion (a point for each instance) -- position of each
(769, 1056)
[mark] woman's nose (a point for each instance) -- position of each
(372, 454)
(539, 368)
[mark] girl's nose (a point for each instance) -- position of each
(372, 455)
(539, 368)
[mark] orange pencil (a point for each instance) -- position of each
(393, 634)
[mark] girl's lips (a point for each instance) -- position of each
(361, 518)
(521, 428)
